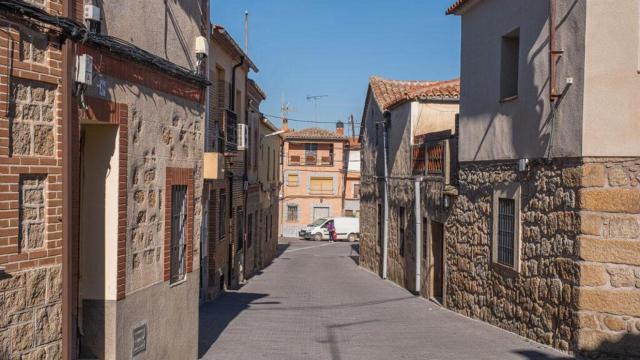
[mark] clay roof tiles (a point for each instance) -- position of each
(455, 7)
(314, 134)
(389, 93)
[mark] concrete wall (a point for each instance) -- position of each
(99, 226)
(164, 131)
(612, 79)
(523, 127)
(167, 29)
(433, 117)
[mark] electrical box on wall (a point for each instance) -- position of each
(91, 12)
(84, 69)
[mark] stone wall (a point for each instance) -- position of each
(370, 250)
(609, 251)
(31, 314)
(539, 302)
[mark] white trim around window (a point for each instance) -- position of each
(506, 246)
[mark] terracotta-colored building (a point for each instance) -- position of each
(313, 176)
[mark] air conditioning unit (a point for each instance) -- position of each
(243, 137)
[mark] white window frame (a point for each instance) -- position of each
(512, 191)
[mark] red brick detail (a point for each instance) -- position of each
(178, 176)
(117, 114)
(140, 74)
(12, 167)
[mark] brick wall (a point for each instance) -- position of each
(30, 193)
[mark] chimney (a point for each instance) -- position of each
(285, 124)
(340, 128)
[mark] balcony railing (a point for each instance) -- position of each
(310, 160)
(436, 155)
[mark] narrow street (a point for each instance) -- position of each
(314, 302)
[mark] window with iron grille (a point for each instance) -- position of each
(178, 233)
(418, 159)
(401, 229)
(223, 215)
(506, 225)
(506, 231)
(436, 158)
(292, 213)
(356, 191)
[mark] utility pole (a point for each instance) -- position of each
(315, 99)
(353, 126)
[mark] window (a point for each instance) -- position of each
(292, 213)
(401, 229)
(509, 65)
(356, 191)
(348, 213)
(239, 229)
(223, 215)
(268, 163)
(310, 154)
(321, 185)
(293, 180)
(506, 239)
(178, 231)
(506, 226)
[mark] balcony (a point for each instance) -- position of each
(310, 160)
(231, 131)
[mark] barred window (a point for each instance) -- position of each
(292, 213)
(506, 225)
(178, 225)
(506, 231)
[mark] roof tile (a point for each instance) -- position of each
(314, 134)
(389, 93)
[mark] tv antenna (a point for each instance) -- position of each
(315, 99)
(285, 109)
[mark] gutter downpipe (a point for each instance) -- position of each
(385, 241)
(68, 284)
(232, 96)
(418, 215)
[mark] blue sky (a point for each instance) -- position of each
(332, 47)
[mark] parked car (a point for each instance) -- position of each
(347, 228)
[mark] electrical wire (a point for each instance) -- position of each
(303, 121)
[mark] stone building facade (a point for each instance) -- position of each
(410, 109)
(548, 174)
(30, 187)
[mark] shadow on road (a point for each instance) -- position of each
(537, 355)
(355, 253)
(333, 339)
(216, 315)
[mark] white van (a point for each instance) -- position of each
(347, 228)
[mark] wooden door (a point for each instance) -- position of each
(437, 260)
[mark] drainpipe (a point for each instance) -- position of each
(232, 96)
(68, 283)
(418, 237)
(385, 241)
